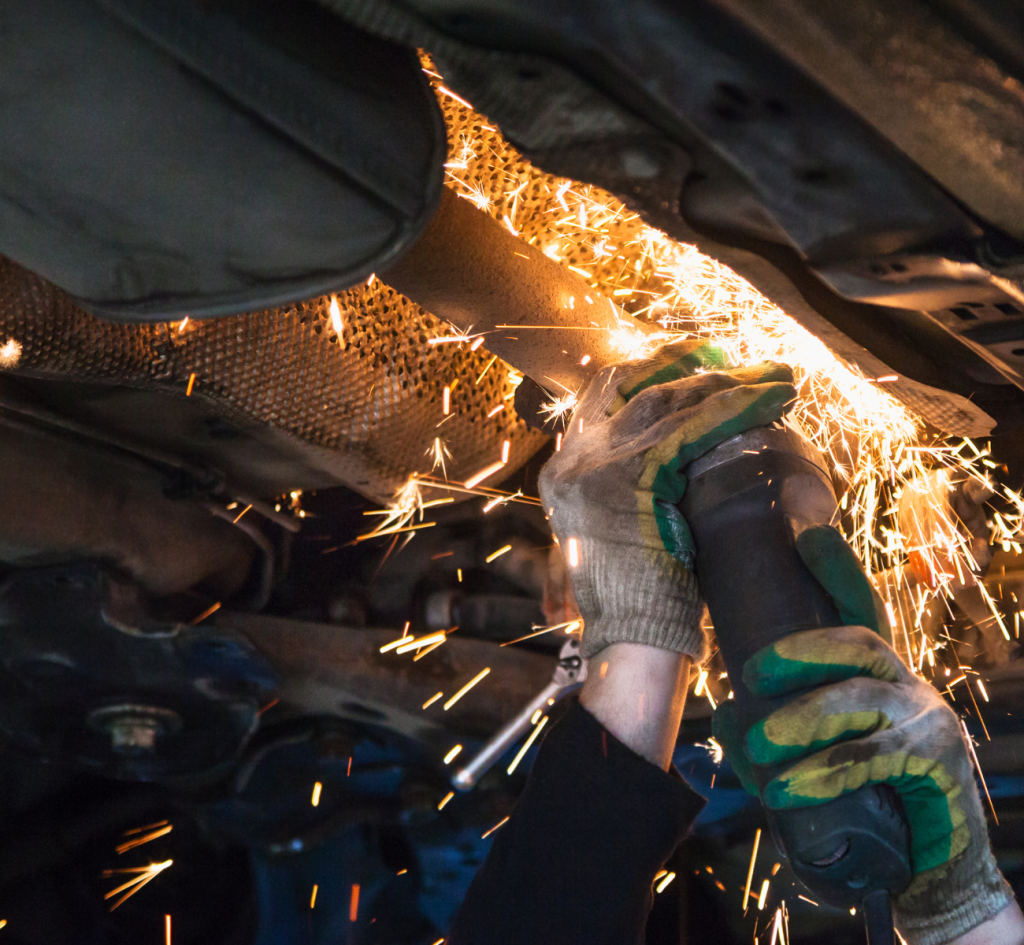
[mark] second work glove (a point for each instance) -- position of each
(863, 718)
(611, 492)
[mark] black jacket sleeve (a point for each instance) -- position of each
(575, 864)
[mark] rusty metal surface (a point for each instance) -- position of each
(547, 321)
(915, 78)
(63, 501)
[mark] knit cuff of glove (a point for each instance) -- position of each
(638, 602)
(952, 907)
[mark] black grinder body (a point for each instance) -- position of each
(742, 501)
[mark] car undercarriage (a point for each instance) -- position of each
(295, 302)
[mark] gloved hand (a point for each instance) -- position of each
(869, 720)
(614, 486)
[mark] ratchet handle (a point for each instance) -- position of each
(740, 503)
(466, 777)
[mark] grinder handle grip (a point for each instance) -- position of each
(739, 506)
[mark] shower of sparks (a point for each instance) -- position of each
(10, 353)
(141, 876)
(526, 745)
(477, 678)
(879, 450)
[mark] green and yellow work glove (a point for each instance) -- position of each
(863, 718)
(611, 492)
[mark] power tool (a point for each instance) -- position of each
(745, 500)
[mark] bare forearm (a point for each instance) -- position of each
(1005, 928)
(638, 692)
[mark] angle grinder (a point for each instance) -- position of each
(742, 501)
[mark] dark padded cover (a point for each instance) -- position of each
(163, 158)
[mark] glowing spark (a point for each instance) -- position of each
(981, 689)
(439, 452)
(353, 903)
(500, 823)
(764, 895)
(750, 871)
(451, 94)
(10, 353)
(336, 322)
(506, 447)
(702, 679)
(665, 881)
(526, 745)
(497, 554)
(212, 609)
(136, 830)
(466, 689)
(317, 788)
(432, 700)
(191, 384)
(585, 359)
(446, 400)
(487, 367)
(146, 838)
(426, 651)
(560, 408)
(143, 875)
(496, 411)
(714, 749)
(167, 930)
(484, 473)
(977, 767)
(805, 899)
(236, 519)
(419, 642)
(312, 898)
(452, 755)
(573, 553)
(446, 799)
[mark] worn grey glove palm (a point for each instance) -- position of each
(612, 491)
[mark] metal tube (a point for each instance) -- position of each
(470, 270)
(466, 778)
